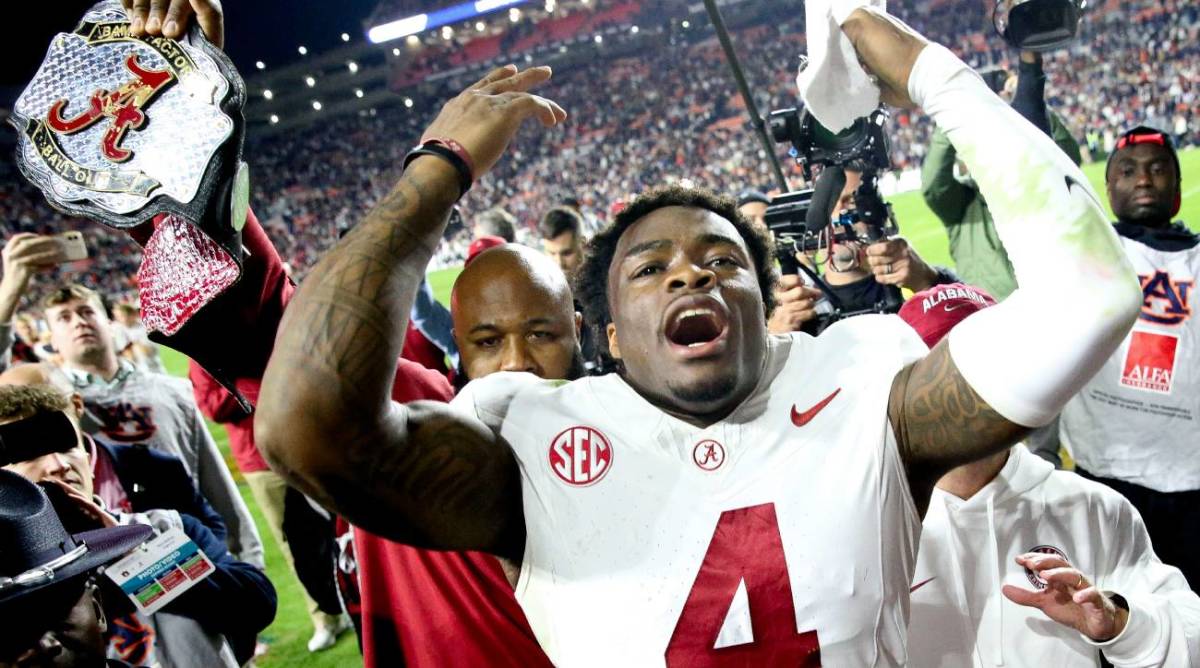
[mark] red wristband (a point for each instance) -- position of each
(456, 148)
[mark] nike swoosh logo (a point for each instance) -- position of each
(920, 584)
(1072, 183)
(955, 307)
(800, 419)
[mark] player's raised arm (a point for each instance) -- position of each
(1014, 366)
(418, 473)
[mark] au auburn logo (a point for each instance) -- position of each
(580, 456)
(1165, 300)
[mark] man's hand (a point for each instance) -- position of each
(796, 305)
(87, 507)
(887, 49)
(169, 18)
(23, 255)
(894, 262)
(1069, 598)
(485, 117)
(27, 253)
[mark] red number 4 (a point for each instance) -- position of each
(745, 546)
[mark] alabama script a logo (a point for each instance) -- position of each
(123, 107)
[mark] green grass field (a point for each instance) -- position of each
(291, 629)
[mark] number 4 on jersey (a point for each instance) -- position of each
(746, 546)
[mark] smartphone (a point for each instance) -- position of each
(72, 245)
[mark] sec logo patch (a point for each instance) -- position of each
(580, 456)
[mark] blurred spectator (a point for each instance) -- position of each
(495, 222)
(753, 205)
(562, 237)
(132, 341)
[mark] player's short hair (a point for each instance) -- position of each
(18, 402)
(591, 283)
(497, 222)
(71, 292)
(560, 220)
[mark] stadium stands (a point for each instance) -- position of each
(656, 116)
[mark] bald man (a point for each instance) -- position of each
(513, 311)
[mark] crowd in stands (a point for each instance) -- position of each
(669, 114)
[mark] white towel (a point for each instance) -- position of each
(834, 87)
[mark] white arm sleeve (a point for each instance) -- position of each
(1164, 613)
(1078, 295)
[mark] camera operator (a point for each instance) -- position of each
(858, 273)
(952, 194)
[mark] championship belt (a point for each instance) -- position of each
(122, 129)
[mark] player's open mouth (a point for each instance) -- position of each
(696, 326)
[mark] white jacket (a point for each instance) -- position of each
(968, 550)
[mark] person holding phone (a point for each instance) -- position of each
(24, 255)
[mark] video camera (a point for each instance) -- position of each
(801, 220)
(1038, 25)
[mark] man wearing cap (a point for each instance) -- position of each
(1058, 547)
(50, 602)
(1136, 425)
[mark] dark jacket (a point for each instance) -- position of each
(237, 600)
(154, 480)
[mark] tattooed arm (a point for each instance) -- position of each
(418, 473)
(1015, 365)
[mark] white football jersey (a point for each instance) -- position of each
(782, 535)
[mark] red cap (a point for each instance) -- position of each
(934, 312)
(481, 244)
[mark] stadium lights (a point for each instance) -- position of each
(599, 39)
(268, 94)
(303, 50)
(480, 26)
(310, 81)
(447, 33)
(395, 52)
(686, 24)
(634, 30)
(419, 23)
(352, 66)
(260, 64)
(274, 119)
(345, 37)
(358, 92)
(316, 105)
(408, 102)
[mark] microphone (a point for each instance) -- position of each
(820, 208)
(825, 196)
